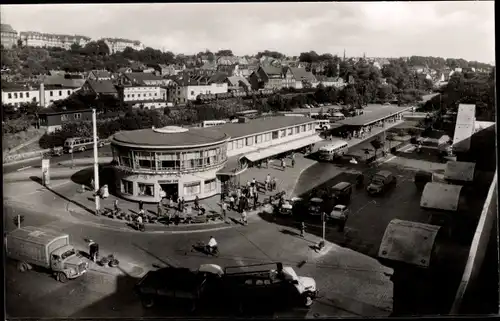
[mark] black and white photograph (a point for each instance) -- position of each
(301, 160)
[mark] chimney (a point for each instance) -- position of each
(42, 95)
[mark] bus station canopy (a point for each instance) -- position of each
(441, 196)
(374, 115)
(282, 148)
(408, 242)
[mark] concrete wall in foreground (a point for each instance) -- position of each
(479, 245)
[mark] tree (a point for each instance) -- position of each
(75, 47)
(224, 52)
(309, 57)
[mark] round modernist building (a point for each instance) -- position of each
(168, 161)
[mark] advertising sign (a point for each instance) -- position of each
(45, 172)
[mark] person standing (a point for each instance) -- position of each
(141, 206)
(255, 199)
(231, 202)
(117, 209)
(171, 201)
(254, 182)
(196, 203)
(283, 164)
(93, 250)
(159, 209)
(224, 208)
(268, 181)
(302, 229)
(244, 217)
(293, 160)
(273, 184)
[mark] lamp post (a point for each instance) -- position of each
(96, 162)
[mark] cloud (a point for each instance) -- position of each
(447, 29)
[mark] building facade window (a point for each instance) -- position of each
(64, 117)
(303, 128)
(27, 95)
(250, 141)
(20, 95)
(15, 95)
(10, 95)
(297, 129)
(146, 189)
(258, 139)
(192, 189)
(168, 161)
(69, 92)
(230, 146)
(267, 137)
(282, 133)
(78, 116)
(144, 160)
(309, 127)
(290, 131)
(275, 134)
(127, 187)
(51, 93)
(60, 92)
(210, 185)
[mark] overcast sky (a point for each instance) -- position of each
(381, 29)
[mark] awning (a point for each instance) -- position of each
(232, 167)
(282, 148)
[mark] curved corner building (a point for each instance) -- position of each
(173, 159)
(201, 161)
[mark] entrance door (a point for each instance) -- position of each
(169, 189)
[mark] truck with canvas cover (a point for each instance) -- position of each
(267, 285)
(45, 248)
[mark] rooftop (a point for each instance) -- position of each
(102, 86)
(261, 125)
(169, 136)
(373, 115)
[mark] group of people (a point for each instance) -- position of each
(270, 183)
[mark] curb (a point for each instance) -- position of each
(22, 160)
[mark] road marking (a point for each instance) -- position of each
(23, 168)
(368, 203)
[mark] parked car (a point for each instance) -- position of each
(380, 182)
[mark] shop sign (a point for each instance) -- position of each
(169, 181)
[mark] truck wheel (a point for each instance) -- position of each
(147, 302)
(61, 277)
(308, 301)
(22, 267)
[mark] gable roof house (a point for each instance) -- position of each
(237, 83)
(337, 82)
(188, 88)
(298, 77)
(231, 70)
(100, 88)
(125, 70)
(142, 79)
(99, 75)
(267, 77)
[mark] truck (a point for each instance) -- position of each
(267, 284)
(211, 285)
(34, 246)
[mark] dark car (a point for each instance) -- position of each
(342, 193)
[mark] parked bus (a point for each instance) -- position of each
(322, 124)
(333, 150)
(80, 144)
(212, 123)
(247, 113)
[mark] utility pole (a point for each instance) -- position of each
(72, 160)
(96, 162)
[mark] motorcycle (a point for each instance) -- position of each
(202, 247)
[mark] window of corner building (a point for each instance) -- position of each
(15, 95)
(64, 117)
(282, 133)
(267, 137)
(133, 95)
(69, 92)
(20, 95)
(78, 116)
(27, 95)
(144, 160)
(128, 95)
(127, 187)
(10, 96)
(250, 141)
(275, 134)
(60, 92)
(297, 129)
(303, 128)
(51, 93)
(138, 95)
(192, 189)
(309, 127)
(210, 185)
(290, 131)
(258, 139)
(192, 92)
(146, 189)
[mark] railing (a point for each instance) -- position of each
(171, 171)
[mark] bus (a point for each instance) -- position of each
(212, 123)
(80, 144)
(247, 113)
(333, 150)
(322, 124)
